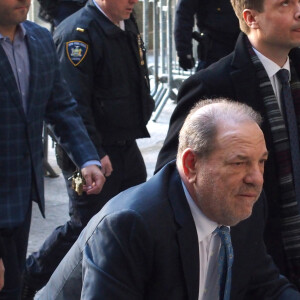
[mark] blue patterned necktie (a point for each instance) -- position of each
(225, 262)
(291, 122)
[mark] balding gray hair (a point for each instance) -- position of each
(200, 127)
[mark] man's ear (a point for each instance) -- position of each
(189, 160)
(250, 17)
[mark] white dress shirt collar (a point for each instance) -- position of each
(121, 24)
(209, 246)
(270, 66)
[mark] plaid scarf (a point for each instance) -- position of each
(290, 216)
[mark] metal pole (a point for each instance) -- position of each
(155, 46)
(31, 12)
(162, 35)
(169, 34)
(146, 23)
(169, 43)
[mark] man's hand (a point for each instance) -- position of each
(186, 62)
(2, 270)
(94, 179)
(106, 166)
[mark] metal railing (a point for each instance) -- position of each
(165, 75)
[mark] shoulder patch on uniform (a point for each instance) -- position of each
(76, 51)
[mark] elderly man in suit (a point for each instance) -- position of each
(31, 90)
(268, 45)
(161, 239)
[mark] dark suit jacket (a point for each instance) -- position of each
(143, 245)
(21, 151)
(234, 77)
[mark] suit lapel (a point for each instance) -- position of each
(242, 80)
(187, 236)
(243, 76)
(246, 85)
(9, 80)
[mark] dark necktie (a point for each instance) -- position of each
(291, 122)
(225, 262)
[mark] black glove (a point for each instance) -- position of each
(186, 62)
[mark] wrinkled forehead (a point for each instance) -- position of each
(246, 133)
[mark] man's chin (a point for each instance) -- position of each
(237, 219)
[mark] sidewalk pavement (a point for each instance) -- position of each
(55, 192)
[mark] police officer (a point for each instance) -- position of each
(103, 60)
(218, 30)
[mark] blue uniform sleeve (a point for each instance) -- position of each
(184, 23)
